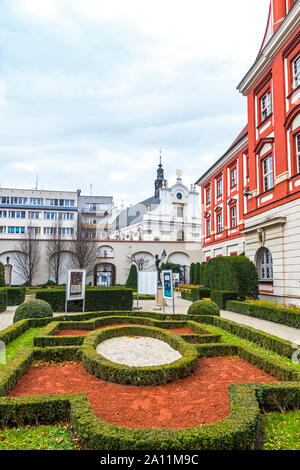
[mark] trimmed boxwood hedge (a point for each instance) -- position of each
(196, 293)
(47, 336)
(277, 315)
(220, 297)
(234, 273)
(15, 295)
(2, 277)
(33, 309)
(110, 371)
(97, 299)
(3, 300)
(203, 307)
(238, 431)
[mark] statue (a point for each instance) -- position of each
(157, 263)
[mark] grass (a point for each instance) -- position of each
(281, 431)
(229, 338)
(37, 438)
(23, 341)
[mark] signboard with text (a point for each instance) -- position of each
(167, 284)
(147, 282)
(76, 284)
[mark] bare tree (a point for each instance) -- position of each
(55, 249)
(140, 261)
(83, 248)
(27, 257)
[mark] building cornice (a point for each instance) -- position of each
(264, 224)
(281, 35)
(218, 166)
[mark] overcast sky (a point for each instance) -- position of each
(91, 89)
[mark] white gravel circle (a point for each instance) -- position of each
(138, 351)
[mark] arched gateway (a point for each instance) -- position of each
(105, 274)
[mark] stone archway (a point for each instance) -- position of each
(105, 274)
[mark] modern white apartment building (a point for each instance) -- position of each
(41, 212)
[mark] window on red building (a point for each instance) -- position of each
(298, 151)
(208, 227)
(233, 217)
(219, 188)
(233, 177)
(267, 173)
(265, 105)
(208, 198)
(296, 72)
(219, 222)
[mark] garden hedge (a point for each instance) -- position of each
(15, 295)
(275, 314)
(97, 299)
(237, 432)
(2, 276)
(110, 371)
(233, 273)
(220, 297)
(269, 342)
(131, 282)
(47, 336)
(195, 293)
(3, 300)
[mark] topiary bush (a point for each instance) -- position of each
(2, 277)
(3, 300)
(192, 274)
(33, 309)
(233, 273)
(131, 282)
(203, 307)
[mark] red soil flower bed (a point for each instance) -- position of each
(85, 332)
(178, 331)
(182, 331)
(199, 399)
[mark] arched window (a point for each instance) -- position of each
(265, 265)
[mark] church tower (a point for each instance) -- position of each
(159, 179)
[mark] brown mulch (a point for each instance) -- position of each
(199, 399)
(178, 331)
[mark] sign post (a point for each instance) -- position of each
(76, 287)
(167, 286)
(147, 283)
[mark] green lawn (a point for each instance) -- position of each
(37, 438)
(281, 431)
(23, 341)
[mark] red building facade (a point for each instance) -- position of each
(251, 195)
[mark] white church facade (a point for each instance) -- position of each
(172, 214)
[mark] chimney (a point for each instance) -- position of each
(279, 12)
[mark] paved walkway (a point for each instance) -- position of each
(181, 306)
(281, 331)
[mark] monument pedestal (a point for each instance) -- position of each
(7, 274)
(159, 301)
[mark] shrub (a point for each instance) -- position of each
(220, 297)
(204, 307)
(131, 282)
(233, 273)
(33, 309)
(192, 274)
(97, 299)
(285, 316)
(3, 300)
(15, 295)
(2, 277)
(197, 274)
(202, 273)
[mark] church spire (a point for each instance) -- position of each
(160, 177)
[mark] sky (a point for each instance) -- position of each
(90, 90)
